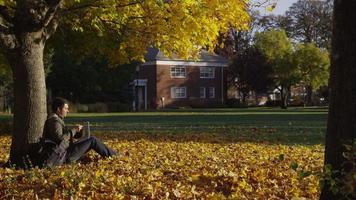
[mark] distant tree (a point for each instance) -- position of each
(313, 65)
(5, 72)
(250, 71)
(277, 49)
(305, 21)
(6, 84)
(237, 40)
(272, 22)
(309, 21)
(89, 79)
(340, 145)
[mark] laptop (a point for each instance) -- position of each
(86, 130)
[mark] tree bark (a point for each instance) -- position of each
(284, 97)
(309, 95)
(244, 96)
(29, 95)
(341, 126)
(22, 41)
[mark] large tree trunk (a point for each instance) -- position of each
(29, 93)
(23, 41)
(341, 127)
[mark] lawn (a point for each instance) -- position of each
(295, 125)
(185, 154)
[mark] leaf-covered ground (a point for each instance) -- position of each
(175, 166)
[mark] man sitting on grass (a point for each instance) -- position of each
(58, 147)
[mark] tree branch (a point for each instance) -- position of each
(101, 5)
(7, 40)
(130, 4)
(4, 29)
(4, 12)
(83, 6)
(52, 11)
(51, 28)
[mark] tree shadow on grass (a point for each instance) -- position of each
(251, 135)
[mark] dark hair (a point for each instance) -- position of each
(58, 102)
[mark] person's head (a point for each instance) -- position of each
(60, 107)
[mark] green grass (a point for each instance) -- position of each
(294, 125)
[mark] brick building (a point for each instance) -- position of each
(163, 82)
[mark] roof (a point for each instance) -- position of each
(153, 54)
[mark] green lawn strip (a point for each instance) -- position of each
(295, 125)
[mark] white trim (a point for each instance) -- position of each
(173, 93)
(207, 68)
(187, 63)
(145, 97)
(222, 85)
(210, 93)
(202, 97)
(141, 82)
(185, 71)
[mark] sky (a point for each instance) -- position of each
(281, 7)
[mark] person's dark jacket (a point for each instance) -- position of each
(56, 139)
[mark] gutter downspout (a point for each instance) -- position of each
(222, 85)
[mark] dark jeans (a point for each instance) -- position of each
(79, 148)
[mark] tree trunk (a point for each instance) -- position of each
(284, 97)
(341, 127)
(244, 96)
(29, 95)
(23, 41)
(309, 95)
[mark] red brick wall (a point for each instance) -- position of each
(192, 82)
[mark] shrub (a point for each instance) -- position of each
(6, 127)
(98, 107)
(82, 108)
(118, 107)
(273, 103)
(296, 101)
(235, 103)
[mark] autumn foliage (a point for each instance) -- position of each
(175, 166)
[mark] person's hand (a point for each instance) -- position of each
(78, 127)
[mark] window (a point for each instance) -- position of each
(178, 72)
(211, 92)
(178, 92)
(202, 93)
(207, 72)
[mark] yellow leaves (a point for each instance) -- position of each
(63, 173)
(187, 166)
(180, 27)
(271, 8)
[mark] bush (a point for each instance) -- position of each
(235, 103)
(273, 103)
(296, 101)
(6, 127)
(98, 107)
(82, 108)
(118, 107)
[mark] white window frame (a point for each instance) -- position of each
(211, 92)
(176, 95)
(207, 72)
(177, 73)
(202, 92)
